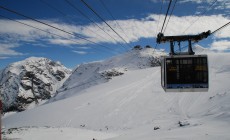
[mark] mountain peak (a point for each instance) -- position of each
(35, 78)
(94, 73)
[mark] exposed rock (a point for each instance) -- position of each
(28, 81)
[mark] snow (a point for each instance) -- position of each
(38, 133)
(130, 106)
(13, 79)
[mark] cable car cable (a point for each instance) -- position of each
(63, 14)
(107, 9)
(170, 15)
(221, 27)
(166, 15)
(53, 7)
(207, 9)
(162, 2)
(45, 31)
(83, 14)
(41, 22)
(87, 5)
(225, 25)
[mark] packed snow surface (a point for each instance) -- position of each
(132, 106)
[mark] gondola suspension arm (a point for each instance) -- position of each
(195, 38)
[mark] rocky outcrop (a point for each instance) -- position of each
(29, 82)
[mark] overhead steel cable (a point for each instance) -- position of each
(17, 13)
(170, 15)
(41, 22)
(63, 14)
(53, 7)
(46, 31)
(166, 15)
(87, 5)
(221, 27)
(36, 28)
(225, 25)
(162, 2)
(82, 13)
(107, 9)
(207, 9)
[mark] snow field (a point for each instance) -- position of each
(49, 133)
(132, 105)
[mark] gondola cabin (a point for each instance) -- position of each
(184, 73)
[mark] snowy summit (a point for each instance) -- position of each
(32, 80)
(94, 73)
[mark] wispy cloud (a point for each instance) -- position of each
(6, 50)
(133, 30)
(221, 45)
(195, 1)
(64, 42)
(218, 5)
(3, 57)
(81, 52)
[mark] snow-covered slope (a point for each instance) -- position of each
(34, 77)
(133, 107)
(94, 73)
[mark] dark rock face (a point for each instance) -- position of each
(59, 75)
(111, 73)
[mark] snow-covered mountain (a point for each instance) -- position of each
(131, 106)
(94, 73)
(31, 80)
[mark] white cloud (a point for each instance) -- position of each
(202, 1)
(155, 1)
(62, 41)
(3, 57)
(179, 25)
(222, 45)
(218, 5)
(7, 50)
(84, 48)
(133, 30)
(80, 52)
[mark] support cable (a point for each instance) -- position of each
(166, 15)
(41, 22)
(82, 13)
(63, 14)
(170, 15)
(162, 2)
(107, 9)
(225, 25)
(207, 9)
(53, 7)
(221, 27)
(87, 5)
(46, 31)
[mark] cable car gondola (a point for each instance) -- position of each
(184, 72)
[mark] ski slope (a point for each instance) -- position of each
(130, 107)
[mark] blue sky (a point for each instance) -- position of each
(136, 21)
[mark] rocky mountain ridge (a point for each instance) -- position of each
(29, 82)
